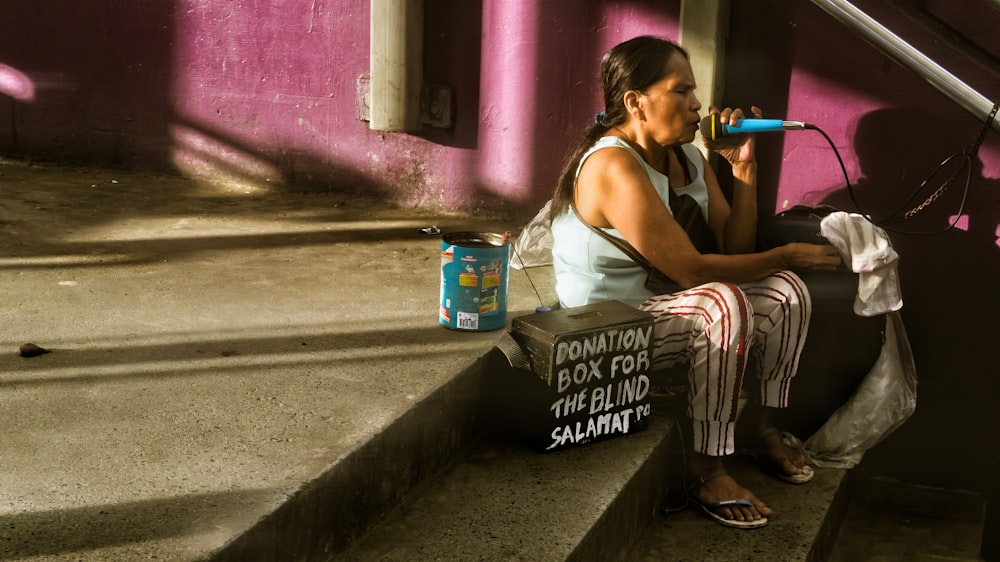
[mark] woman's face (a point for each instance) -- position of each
(670, 107)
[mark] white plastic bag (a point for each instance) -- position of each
(886, 398)
(533, 246)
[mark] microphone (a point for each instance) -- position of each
(712, 129)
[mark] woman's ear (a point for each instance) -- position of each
(633, 104)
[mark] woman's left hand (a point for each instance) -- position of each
(734, 148)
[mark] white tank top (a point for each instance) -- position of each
(590, 269)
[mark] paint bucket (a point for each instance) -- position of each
(474, 271)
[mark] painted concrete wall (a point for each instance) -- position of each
(88, 81)
(269, 92)
(266, 92)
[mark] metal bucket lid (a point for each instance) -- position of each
(475, 239)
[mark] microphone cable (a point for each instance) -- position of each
(895, 217)
(542, 307)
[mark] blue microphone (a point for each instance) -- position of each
(713, 129)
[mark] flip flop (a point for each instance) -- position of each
(709, 509)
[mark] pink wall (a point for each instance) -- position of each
(268, 92)
(100, 75)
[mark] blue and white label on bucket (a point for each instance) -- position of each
(474, 270)
(467, 321)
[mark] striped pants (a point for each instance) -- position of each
(716, 328)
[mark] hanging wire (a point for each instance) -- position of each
(513, 245)
(899, 215)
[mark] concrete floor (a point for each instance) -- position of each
(889, 520)
(213, 349)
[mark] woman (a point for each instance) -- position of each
(732, 301)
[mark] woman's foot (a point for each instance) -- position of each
(714, 491)
(785, 462)
(788, 463)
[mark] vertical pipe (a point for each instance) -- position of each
(396, 59)
(703, 28)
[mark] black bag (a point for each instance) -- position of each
(799, 224)
(660, 284)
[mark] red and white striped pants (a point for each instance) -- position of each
(716, 328)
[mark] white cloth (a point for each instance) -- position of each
(866, 249)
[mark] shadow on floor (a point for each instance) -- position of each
(890, 520)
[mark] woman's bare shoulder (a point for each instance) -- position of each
(611, 162)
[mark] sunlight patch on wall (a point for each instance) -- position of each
(962, 222)
(200, 156)
(508, 86)
(16, 84)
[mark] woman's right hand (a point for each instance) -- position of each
(735, 149)
(802, 255)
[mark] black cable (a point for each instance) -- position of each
(968, 154)
(524, 268)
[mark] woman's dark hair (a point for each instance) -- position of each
(636, 65)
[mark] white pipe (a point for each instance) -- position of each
(396, 65)
(904, 53)
(703, 28)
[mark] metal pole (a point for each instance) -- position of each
(396, 52)
(905, 54)
(703, 34)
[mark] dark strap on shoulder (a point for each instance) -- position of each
(682, 159)
(619, 243)
(687, 212)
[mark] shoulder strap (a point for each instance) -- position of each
(683, 161)
(622, 245)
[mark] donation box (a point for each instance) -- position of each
(589, 370)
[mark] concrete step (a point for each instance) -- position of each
(804, 526)
(329, 512)
(504, 500)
